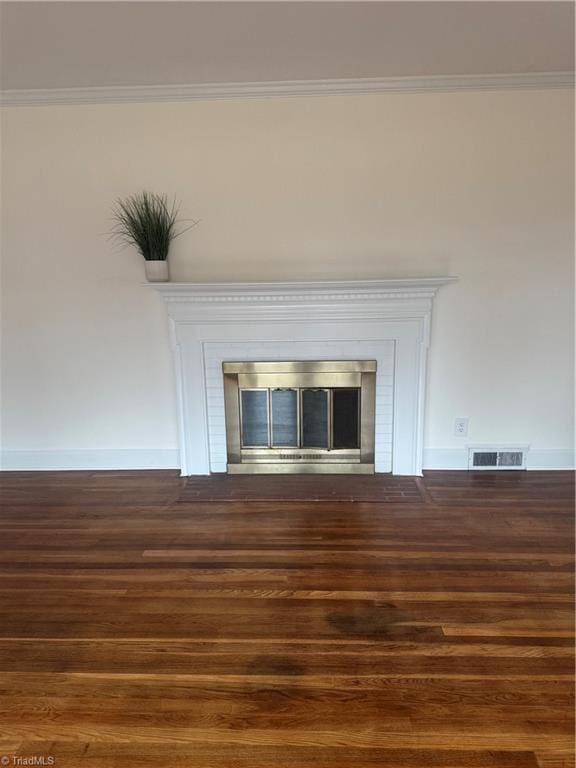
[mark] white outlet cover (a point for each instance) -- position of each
(461, 427)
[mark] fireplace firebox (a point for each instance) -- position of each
(300, 416)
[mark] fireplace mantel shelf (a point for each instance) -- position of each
(411, 287)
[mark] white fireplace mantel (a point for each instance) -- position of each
(217, 321)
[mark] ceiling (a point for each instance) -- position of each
(87, 44)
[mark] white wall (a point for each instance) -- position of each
(472, 184)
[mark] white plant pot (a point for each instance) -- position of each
(157, 271)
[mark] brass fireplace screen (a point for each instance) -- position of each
(307, 416)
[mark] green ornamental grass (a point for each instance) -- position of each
(148, 222)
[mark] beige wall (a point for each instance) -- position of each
(474, 184)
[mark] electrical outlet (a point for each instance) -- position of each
(461, 427)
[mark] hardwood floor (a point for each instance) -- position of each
(139, 628)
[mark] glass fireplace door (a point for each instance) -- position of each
(325, 419)
(285, 418)
(254, 418)
(315, 418)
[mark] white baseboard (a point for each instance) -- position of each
(543, 458)
(112, 458)
(445, 458)
(551, 458)
(168, 458)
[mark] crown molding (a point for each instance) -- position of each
(284, 88)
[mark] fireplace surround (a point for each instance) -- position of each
(388, 321)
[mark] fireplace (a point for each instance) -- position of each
(300, 416)
(388, 321)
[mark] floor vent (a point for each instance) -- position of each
(300, 457)
(497, 457)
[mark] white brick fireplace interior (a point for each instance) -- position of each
(383, 320)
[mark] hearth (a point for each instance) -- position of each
(300, 416)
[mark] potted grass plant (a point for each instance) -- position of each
(148, 222)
